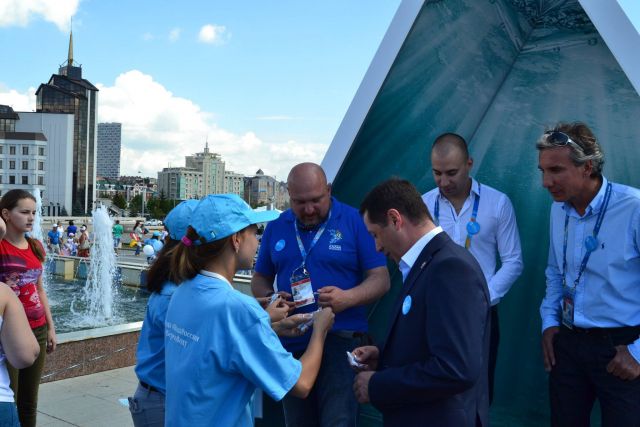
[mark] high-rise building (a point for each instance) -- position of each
(212, 168)
(109, 143)
(68, 92)
(58, 129)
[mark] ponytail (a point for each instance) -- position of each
(188, 257)
(36, 248)
(159, 271)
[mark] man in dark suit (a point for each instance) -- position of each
(432, 367)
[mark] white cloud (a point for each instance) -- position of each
(214, 34)
(160, 128)
(20, 12)
(147, 36)
(174, 34)
(25, 101)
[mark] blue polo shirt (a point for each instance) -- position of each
(54, 237)
(219, 347)
(72, 229)
(339, 258)
(150, 354)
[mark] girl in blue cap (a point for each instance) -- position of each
(219, 344)
(147, 404)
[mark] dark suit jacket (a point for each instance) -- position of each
(433, 363)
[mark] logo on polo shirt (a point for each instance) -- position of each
(336, 237)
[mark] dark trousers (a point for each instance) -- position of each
(331, 402)
(580, 377)
(494, 340)
(25, 382)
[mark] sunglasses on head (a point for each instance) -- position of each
(559, 138)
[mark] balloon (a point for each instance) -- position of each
(156, 244)
(148, 250)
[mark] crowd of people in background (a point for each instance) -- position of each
(68, 242)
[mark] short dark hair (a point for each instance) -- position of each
(446, 141)
(394, 193)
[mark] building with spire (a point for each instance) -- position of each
(68, 92)
(212, 167)
(204, 174)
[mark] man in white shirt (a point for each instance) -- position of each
(478, 218)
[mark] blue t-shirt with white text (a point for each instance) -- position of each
(150, 354)
(220, 347)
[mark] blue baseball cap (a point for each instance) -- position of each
(220, 215)
(179, 218)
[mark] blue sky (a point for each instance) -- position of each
(266, 82)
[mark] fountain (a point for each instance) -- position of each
(38, 234)
(101, 287)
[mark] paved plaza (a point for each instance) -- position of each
(92, 400)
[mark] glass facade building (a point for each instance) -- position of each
(68, 92)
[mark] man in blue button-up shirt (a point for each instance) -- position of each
(591, 310)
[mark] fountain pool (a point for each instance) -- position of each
(67, 306)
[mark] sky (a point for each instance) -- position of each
(266, 83)
(632, 9)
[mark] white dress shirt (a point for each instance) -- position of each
(498, 234)
(410, 257)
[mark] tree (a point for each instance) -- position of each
(63, 212)
(135, 205)
(119, 201)
(77, 209)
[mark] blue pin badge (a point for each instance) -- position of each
(591, 243)
(406, 305)
(473, 228)
(280, 245)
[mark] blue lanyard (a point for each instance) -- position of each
(303, 252)
(591, 242)
(473, 227)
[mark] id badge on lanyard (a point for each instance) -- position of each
(300, 280)
(590, 244)
(567, 311)
(301, 288)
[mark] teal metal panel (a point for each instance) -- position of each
(498, 72)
